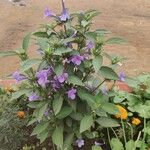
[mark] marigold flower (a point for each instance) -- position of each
(123, 113)
(136, 121)
(21, 114)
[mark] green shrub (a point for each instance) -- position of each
(68, 99)
(12, 132)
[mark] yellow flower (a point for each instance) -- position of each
(123, 113)
(136, 121)
(21, 114)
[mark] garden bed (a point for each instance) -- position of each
(69, 97)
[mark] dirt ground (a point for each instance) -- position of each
(129, 19)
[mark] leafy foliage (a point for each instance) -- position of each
(69, 101)
(12, 132)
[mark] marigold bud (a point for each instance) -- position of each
(136, 121)
(21, 114)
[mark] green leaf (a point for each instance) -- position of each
(102, 31)
(116, 40)
(41, 111)
(92, 14)
(43, 43)
(65, 111)
(57, 104)
(130, 145)
(7, 53)
(19, 93)
(59, 69)
(91, 35)
(100, 112)
(27, 64)
(97, 62)
(107, 122)
(36, 104)
(62, 50)
(108, 73)
(68, 141)
(75, 80)
(32, 121)
(86, 123)
(96, 147)
(42, 65)
(67, 40)
(84, 23)
(76, 116)
(40, 34)
(43, 135)
(25, 42)
(110, 108)
(40, 127)
(116, 144)
(57, 137)
(85, 95)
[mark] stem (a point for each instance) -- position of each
(98, 86)
(131, 128)
(114, 84)
(108, 134)
(54, 147)
(114, 133)
(139, 135)
(124, 134)
(65, 30)
(144, 137)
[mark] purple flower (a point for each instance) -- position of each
(42, 76)
(17, 76)
(90, 45)
(65, 14)
(47, 112)
(77, 59)
(80, 142)
(63, 77)
(33, 97)
(104, 90)
(72, 93)
(56, 84)
(48, 13)
(122, 76)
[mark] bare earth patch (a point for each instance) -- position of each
(128, 19)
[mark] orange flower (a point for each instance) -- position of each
(123, 113)
(21, 114)
(136, 121)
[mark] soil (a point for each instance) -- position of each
(128, 19)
